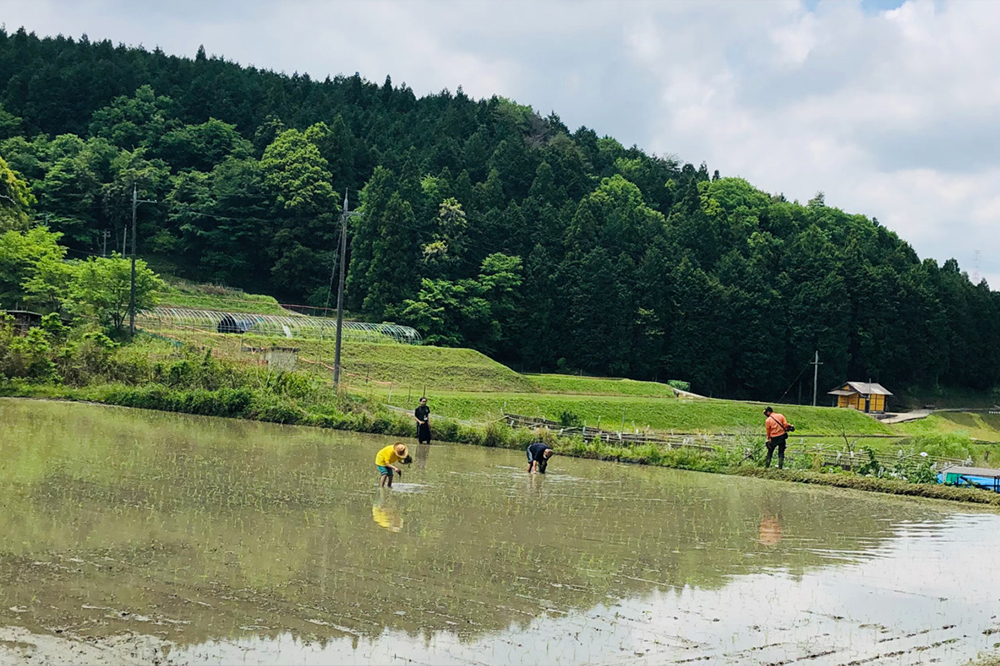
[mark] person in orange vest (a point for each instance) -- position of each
(777, 428)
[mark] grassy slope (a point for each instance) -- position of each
(404, 367)
(598, 386)
(467, 385)
(979, 426)
(656, 413)
(184, 294)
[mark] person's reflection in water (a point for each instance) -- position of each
(385, 514)
(770, 529)
(423, 450)
(535, 483)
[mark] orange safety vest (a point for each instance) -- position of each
(776, 425)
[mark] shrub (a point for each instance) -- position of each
(568, 419)
(275, 411)
(26, 356)
(871, 467)
(678, 384)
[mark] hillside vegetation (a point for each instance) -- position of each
(483, 224)
(977, 425)
(598, 386)
(185, 294)
(661, 413)
(378, 366)
(466, 385)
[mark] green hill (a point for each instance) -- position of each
(467, 385)
(484, 224)
(377, 367)
(181, 293)
(598, 386)
(657, 413)
(981, 426)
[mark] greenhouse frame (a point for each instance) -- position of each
(286, 326)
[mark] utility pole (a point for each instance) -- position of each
(340, 294)
(131, 295)
(815, 364)
(107, 232)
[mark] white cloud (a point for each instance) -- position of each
(891, 113)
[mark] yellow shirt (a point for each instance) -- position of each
(387, 518)
(386, 456)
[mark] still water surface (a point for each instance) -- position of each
(141, 535)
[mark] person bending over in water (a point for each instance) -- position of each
(384, 460)
(538, 457)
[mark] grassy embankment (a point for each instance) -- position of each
(183, 294)
(468, 387)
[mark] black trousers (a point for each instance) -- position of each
(779, 443)
(423, 433)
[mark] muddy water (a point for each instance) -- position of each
(136, 536)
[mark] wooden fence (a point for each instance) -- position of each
(845, 457)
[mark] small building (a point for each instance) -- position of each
(282, 358)
(24, 320)
(868, 397)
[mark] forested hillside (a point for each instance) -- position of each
(484, 224)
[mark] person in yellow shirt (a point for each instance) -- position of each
(384, 460)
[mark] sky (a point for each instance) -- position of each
(888, 107)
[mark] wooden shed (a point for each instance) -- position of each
(24, 320)
(863, 396)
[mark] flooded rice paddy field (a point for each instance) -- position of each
(132, 536)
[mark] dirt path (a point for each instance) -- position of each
(905, 417)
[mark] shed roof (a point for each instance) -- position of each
(864, 388)
(986, 472)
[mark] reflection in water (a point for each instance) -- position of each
(770, 530)
(385, 514)
(535, 484)
(770, 519)
(423, 451)
(229, 541)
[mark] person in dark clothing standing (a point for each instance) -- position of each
(422, 415)
(777, 428)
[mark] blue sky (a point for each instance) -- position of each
(888, 107)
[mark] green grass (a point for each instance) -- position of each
(376, 367)
(466, 385)
(469, 386)
(183, 294)
(598, 386)
(665, 414)
(979, 426)
(437, 368)
(872, 484)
